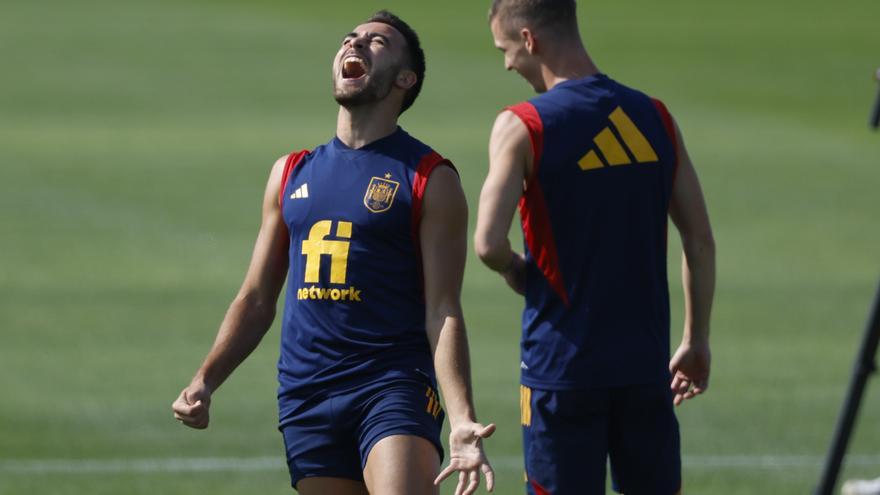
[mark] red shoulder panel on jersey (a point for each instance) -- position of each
(293, 160)
(529, 116)
(428, 164)
(667, 123)
(533, 207)
(670, 131)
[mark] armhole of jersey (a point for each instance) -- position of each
(529, 116)
(420, 183)
(293, 160)
(670, 131)
(426, 166)
(670, 127)
(533, 211)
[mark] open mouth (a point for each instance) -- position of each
(353, 67)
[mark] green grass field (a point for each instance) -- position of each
(136, 137)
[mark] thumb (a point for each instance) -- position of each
(487, 431)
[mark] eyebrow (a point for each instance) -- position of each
(370, 34)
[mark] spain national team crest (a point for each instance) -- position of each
(380, 194)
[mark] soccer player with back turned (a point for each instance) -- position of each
(370, 232)
(596, 168)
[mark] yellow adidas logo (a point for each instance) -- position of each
(525, 405)
(613, 150)
(433, 403)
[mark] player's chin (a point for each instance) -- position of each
(349, 88)
(351, 83)
(352, 97)
(538, 86)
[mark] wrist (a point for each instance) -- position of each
(200, 381)
(461, 417)
(512, 263)
(693, 338)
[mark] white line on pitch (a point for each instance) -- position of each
(276, 463)
(770, 461)
(167, 464)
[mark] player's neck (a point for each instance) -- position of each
(572, 63)
(360, 126)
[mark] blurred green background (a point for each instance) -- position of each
(136, 138)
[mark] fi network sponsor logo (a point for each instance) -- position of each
(324, 294)
(319, 246)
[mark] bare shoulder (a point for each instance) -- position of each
(278, 166)
(443, 179)
(510, 147)
(509, 127)
(273, 184)
(444, 194)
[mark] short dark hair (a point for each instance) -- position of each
(415, 55)
(554, 16)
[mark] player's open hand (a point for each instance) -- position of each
(690, 371)
(467, 457)
(191, 406)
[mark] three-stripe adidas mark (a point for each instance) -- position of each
(433, 403)
(301, 192)
(613, 150)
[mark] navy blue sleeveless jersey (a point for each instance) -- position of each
(594, 219)
(354, 311)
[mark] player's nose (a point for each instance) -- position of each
(360, 41)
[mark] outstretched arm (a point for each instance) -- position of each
(510, 156)
(690, 365)
(443, 234)
(249, 316)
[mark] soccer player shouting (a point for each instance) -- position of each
(596, 168)
(370, 232)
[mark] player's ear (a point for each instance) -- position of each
(406, 79)
(528, 39)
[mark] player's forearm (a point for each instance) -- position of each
(243, 327)
(698, 280)
(452, 365)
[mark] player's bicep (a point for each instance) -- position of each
(688, 207)
(443, 242)
(509, 159)
(268, 265)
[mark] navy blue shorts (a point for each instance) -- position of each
(332, 436)
(570, 436)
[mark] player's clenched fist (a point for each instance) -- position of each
(191, 406)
